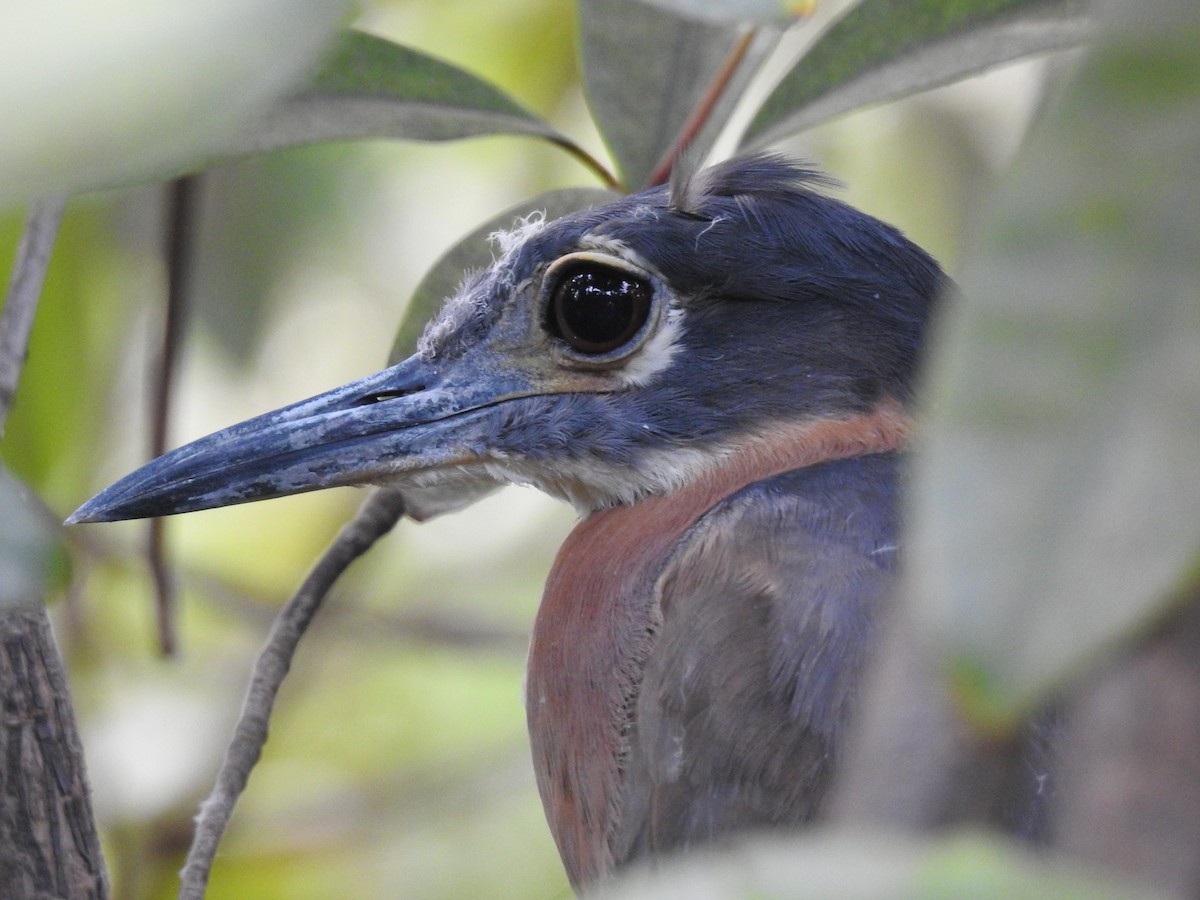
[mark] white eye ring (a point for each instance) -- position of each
(600, 307)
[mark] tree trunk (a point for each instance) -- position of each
(48, 841)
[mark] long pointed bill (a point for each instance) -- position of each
(406, 419)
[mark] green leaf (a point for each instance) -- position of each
(767, 12)
(886, 49)
(372, 88)
(843, 865)
(1057, 502)
(28, 545)
(475, 252)
(128, 90)
(647, 69)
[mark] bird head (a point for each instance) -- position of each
(605, 356)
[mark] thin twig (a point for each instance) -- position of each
(180, 252)
(352, 620)
(374, 519)
(24, 289)
(700, 115)
(588, 161)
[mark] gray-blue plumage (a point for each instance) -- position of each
(746, 699)
(717, 373)
(794, 305)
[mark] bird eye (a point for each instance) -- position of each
(597, 308)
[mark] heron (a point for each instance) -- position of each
(718, 373)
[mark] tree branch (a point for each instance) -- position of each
(378, 514)
(24, 289)
(180, 252)
(48, 841)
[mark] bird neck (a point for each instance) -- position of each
(599, 615)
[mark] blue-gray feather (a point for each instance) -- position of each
(796, 306)
(768, 609)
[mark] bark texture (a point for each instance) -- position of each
(48, 841)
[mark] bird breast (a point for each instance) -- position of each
(599, 616)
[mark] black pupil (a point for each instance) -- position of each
(596, 309)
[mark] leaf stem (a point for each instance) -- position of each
(24, 289)
(703, 110)
(589, 162)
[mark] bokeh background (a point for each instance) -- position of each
(398, 761)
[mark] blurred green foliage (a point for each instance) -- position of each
(398, 760)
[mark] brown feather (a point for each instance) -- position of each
(598, 624)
